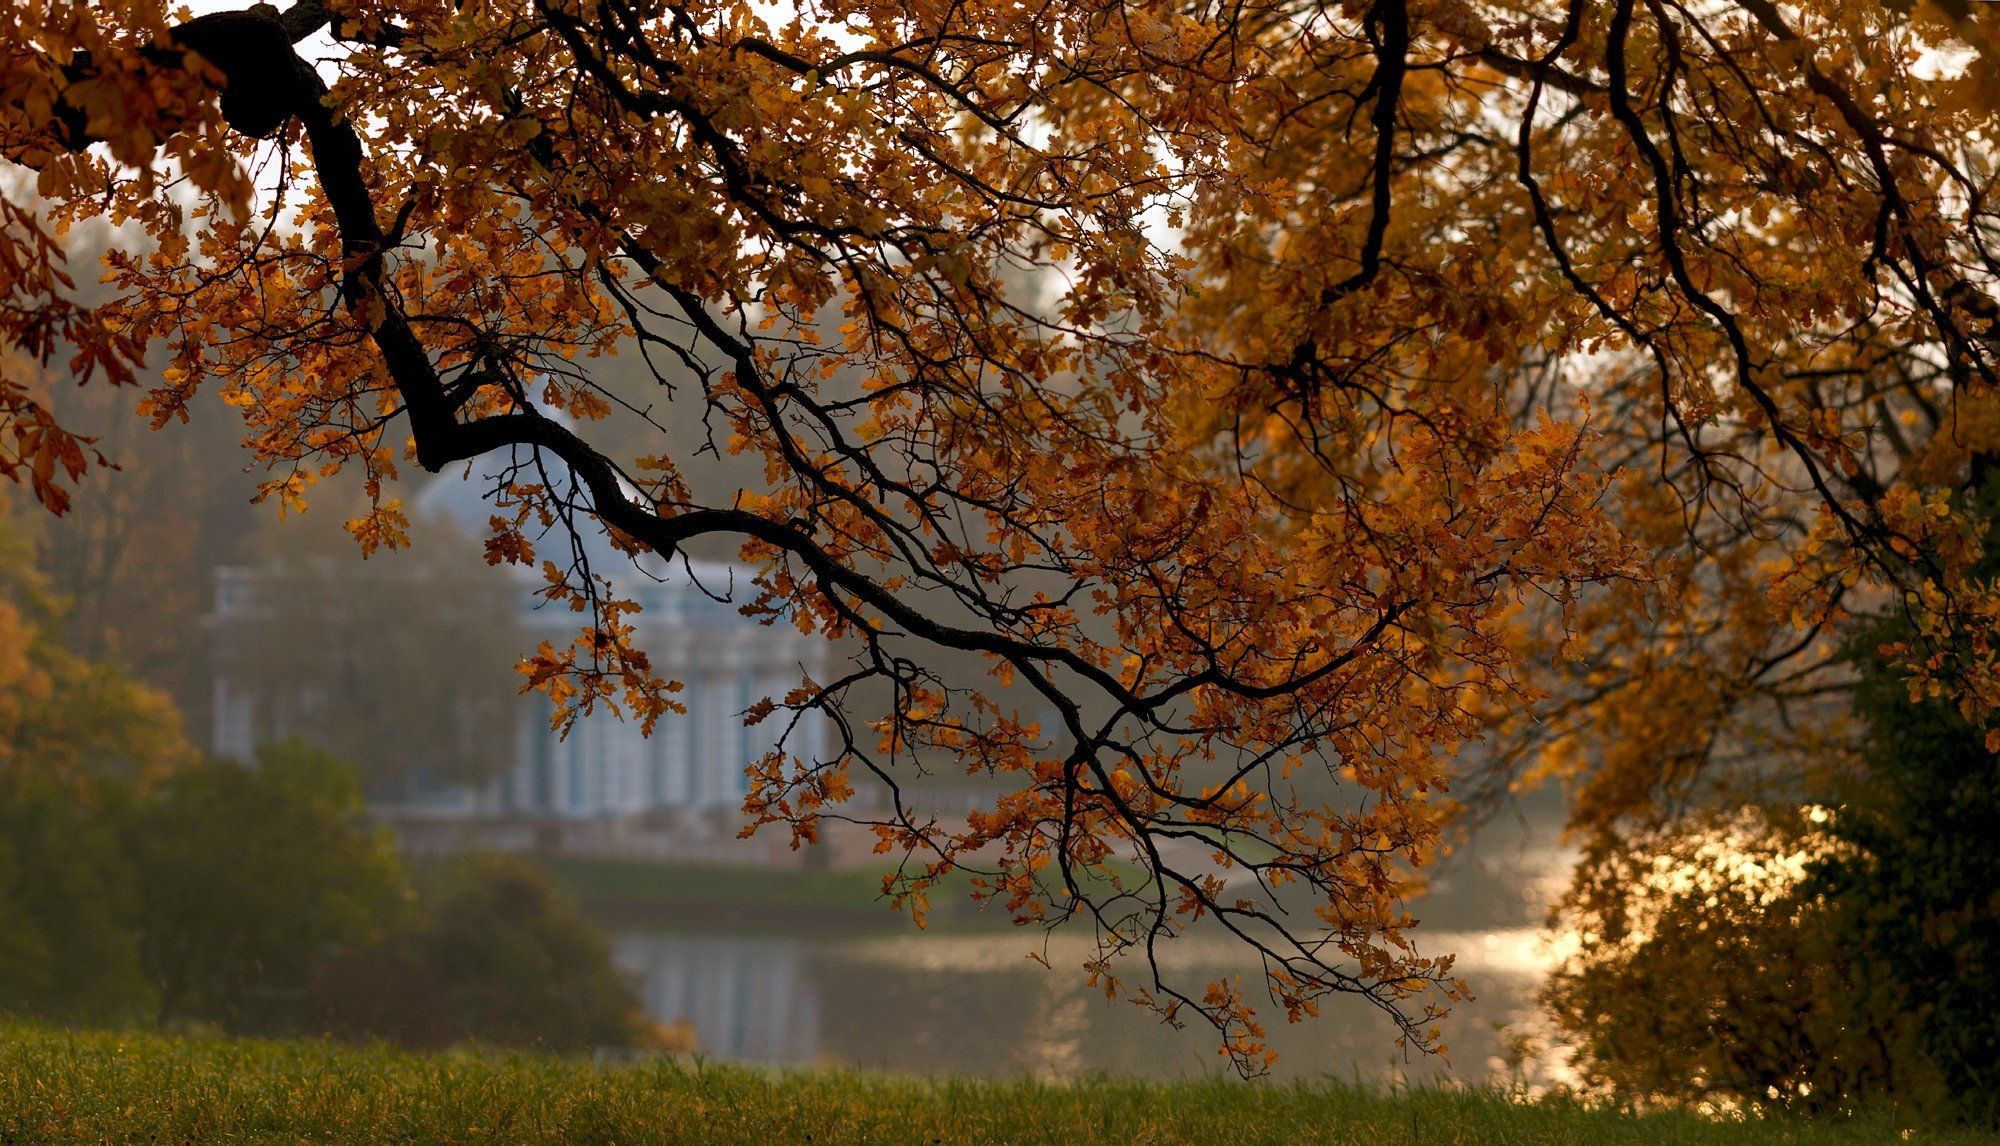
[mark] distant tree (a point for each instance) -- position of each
(79, 741)
(344, 654)
(496, 956)
(135, 559)
(248, 878)
(62, 716)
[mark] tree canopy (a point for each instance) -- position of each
(1270, 391)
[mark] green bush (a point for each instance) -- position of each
(1703, 971)
(248, 877)
(496, 957)
(256, 900)
(67, 950)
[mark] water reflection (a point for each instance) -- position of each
(749, 998)
(977, 1005)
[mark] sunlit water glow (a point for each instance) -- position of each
(978, 1005)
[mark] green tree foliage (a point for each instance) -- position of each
(137, 881)
(1919, 872)
(66, 951)
(254, 899)
(248, 877)
(496, 957)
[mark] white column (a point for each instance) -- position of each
(722, 726)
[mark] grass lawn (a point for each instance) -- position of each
(855, 889)
(788, 898)
(701, 895)
(58, 1086)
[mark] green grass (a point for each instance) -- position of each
(702, 895)
(59, 1086)
(786, 898)
(698, 885)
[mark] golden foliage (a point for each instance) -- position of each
(1408, 372)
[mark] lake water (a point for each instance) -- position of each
(977, 1005)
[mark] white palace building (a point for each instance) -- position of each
(604, 779)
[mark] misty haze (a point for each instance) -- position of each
(608, 571)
